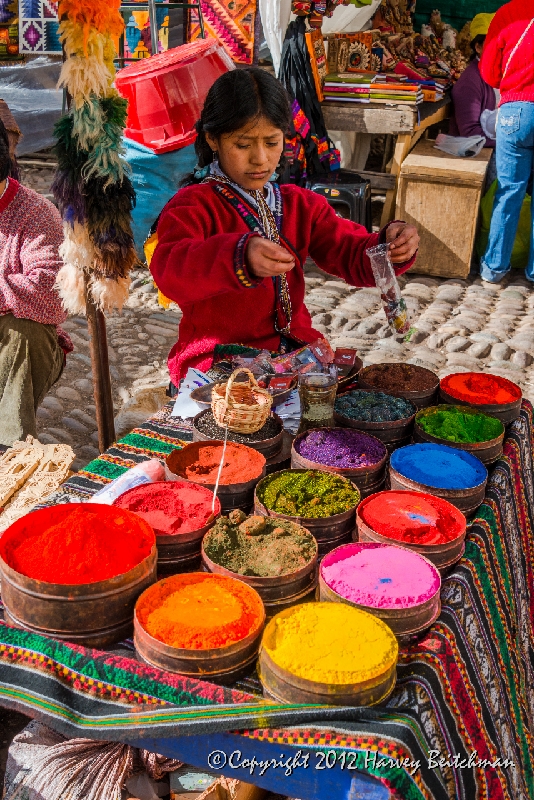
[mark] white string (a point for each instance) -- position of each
(216, 489)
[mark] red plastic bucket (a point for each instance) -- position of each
(166, 93)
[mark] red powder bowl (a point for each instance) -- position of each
(172, 508)
(180, 513)
(429, 525)
(491, 394)
(75, 571)
(76, 544)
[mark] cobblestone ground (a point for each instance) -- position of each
(462, 325)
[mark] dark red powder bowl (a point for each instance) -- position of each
(180, 514)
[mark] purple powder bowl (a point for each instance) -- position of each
(342, 448)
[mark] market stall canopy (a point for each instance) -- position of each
(348, 19)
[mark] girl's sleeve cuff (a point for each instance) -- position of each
(243, 274)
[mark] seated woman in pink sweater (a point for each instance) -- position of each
(32, 347)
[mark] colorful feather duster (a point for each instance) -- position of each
(92, 188)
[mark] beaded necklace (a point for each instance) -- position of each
(270, 231)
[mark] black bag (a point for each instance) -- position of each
(297, 77)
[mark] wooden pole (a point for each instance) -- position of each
(154, 32)
(98, 345)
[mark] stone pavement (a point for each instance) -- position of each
(460, 326)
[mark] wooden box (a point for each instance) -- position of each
(440, 194)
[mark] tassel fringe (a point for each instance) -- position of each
(70, 285)
(110, 293)
(91, 186)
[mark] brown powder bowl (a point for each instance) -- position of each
(417, 384)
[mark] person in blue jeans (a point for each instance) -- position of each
(508, 64)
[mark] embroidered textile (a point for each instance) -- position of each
(38, 27)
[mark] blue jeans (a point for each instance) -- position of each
(515, 165)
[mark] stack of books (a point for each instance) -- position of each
(431, 89)
(370, 87)
(393, 89)
(349, 87)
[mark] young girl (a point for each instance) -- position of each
(232, 244)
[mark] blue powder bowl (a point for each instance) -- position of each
(440, 467)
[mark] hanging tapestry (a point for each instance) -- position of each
(137, 39)
(230, 21)
(38, 27)
(9, 30)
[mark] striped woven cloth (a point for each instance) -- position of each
(465, 690)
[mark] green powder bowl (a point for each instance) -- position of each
(462, 427)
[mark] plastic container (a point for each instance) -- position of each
(166, 93)
(91, 614)
(488, 452)
(147, 472)
(368, 480)
(443, 556)
(403, 622)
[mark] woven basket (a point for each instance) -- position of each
(243, 407)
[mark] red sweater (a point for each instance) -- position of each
(199, 263)
(506, 29)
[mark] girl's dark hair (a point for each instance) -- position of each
(235, 99)
(479, 39)
(6, 162)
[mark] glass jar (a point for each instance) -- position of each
(317, 390)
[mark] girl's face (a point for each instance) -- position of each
(249, 156)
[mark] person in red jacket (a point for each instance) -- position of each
(232, 244)
(508, 64)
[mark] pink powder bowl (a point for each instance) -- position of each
(394, 583)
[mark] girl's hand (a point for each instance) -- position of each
(403, 242)
(266, 259)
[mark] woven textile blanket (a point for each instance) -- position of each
(232, 22)
(463, 707)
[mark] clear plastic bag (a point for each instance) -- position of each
(386, 281)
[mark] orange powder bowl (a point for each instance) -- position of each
(86, 611)
(200, 625)
(198, 462)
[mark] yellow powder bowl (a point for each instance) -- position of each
(328, 654)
